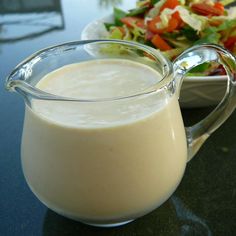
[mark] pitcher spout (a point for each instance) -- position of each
(10, 86)
(18, 83)
(27, 90)
(19, 86)
(12, 81)
(15, 82)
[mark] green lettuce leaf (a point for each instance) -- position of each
(137, 11)
(190, 33)
(115, 33)
(118, 14)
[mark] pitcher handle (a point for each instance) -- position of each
(198, 133)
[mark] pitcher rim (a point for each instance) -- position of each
(22, 86)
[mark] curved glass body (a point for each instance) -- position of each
(114, 148)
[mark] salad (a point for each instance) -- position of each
(174, 25)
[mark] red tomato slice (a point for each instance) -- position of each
(230, 43)
(170, 4)
(160, 43)
(206, 10)
(219, 6)
(172, 25)
(151, 25)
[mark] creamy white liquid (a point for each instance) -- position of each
(105, 161)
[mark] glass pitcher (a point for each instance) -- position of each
(103, 140)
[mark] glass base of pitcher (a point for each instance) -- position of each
(91, 223)
(108, 225)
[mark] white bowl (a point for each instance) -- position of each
(199, 91)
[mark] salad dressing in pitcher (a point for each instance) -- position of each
(136, 153)
(103, 140)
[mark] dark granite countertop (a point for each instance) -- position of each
(203, 204)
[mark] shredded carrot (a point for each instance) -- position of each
(160, 43)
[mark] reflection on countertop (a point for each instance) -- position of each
(25, 19)
(173, 218)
